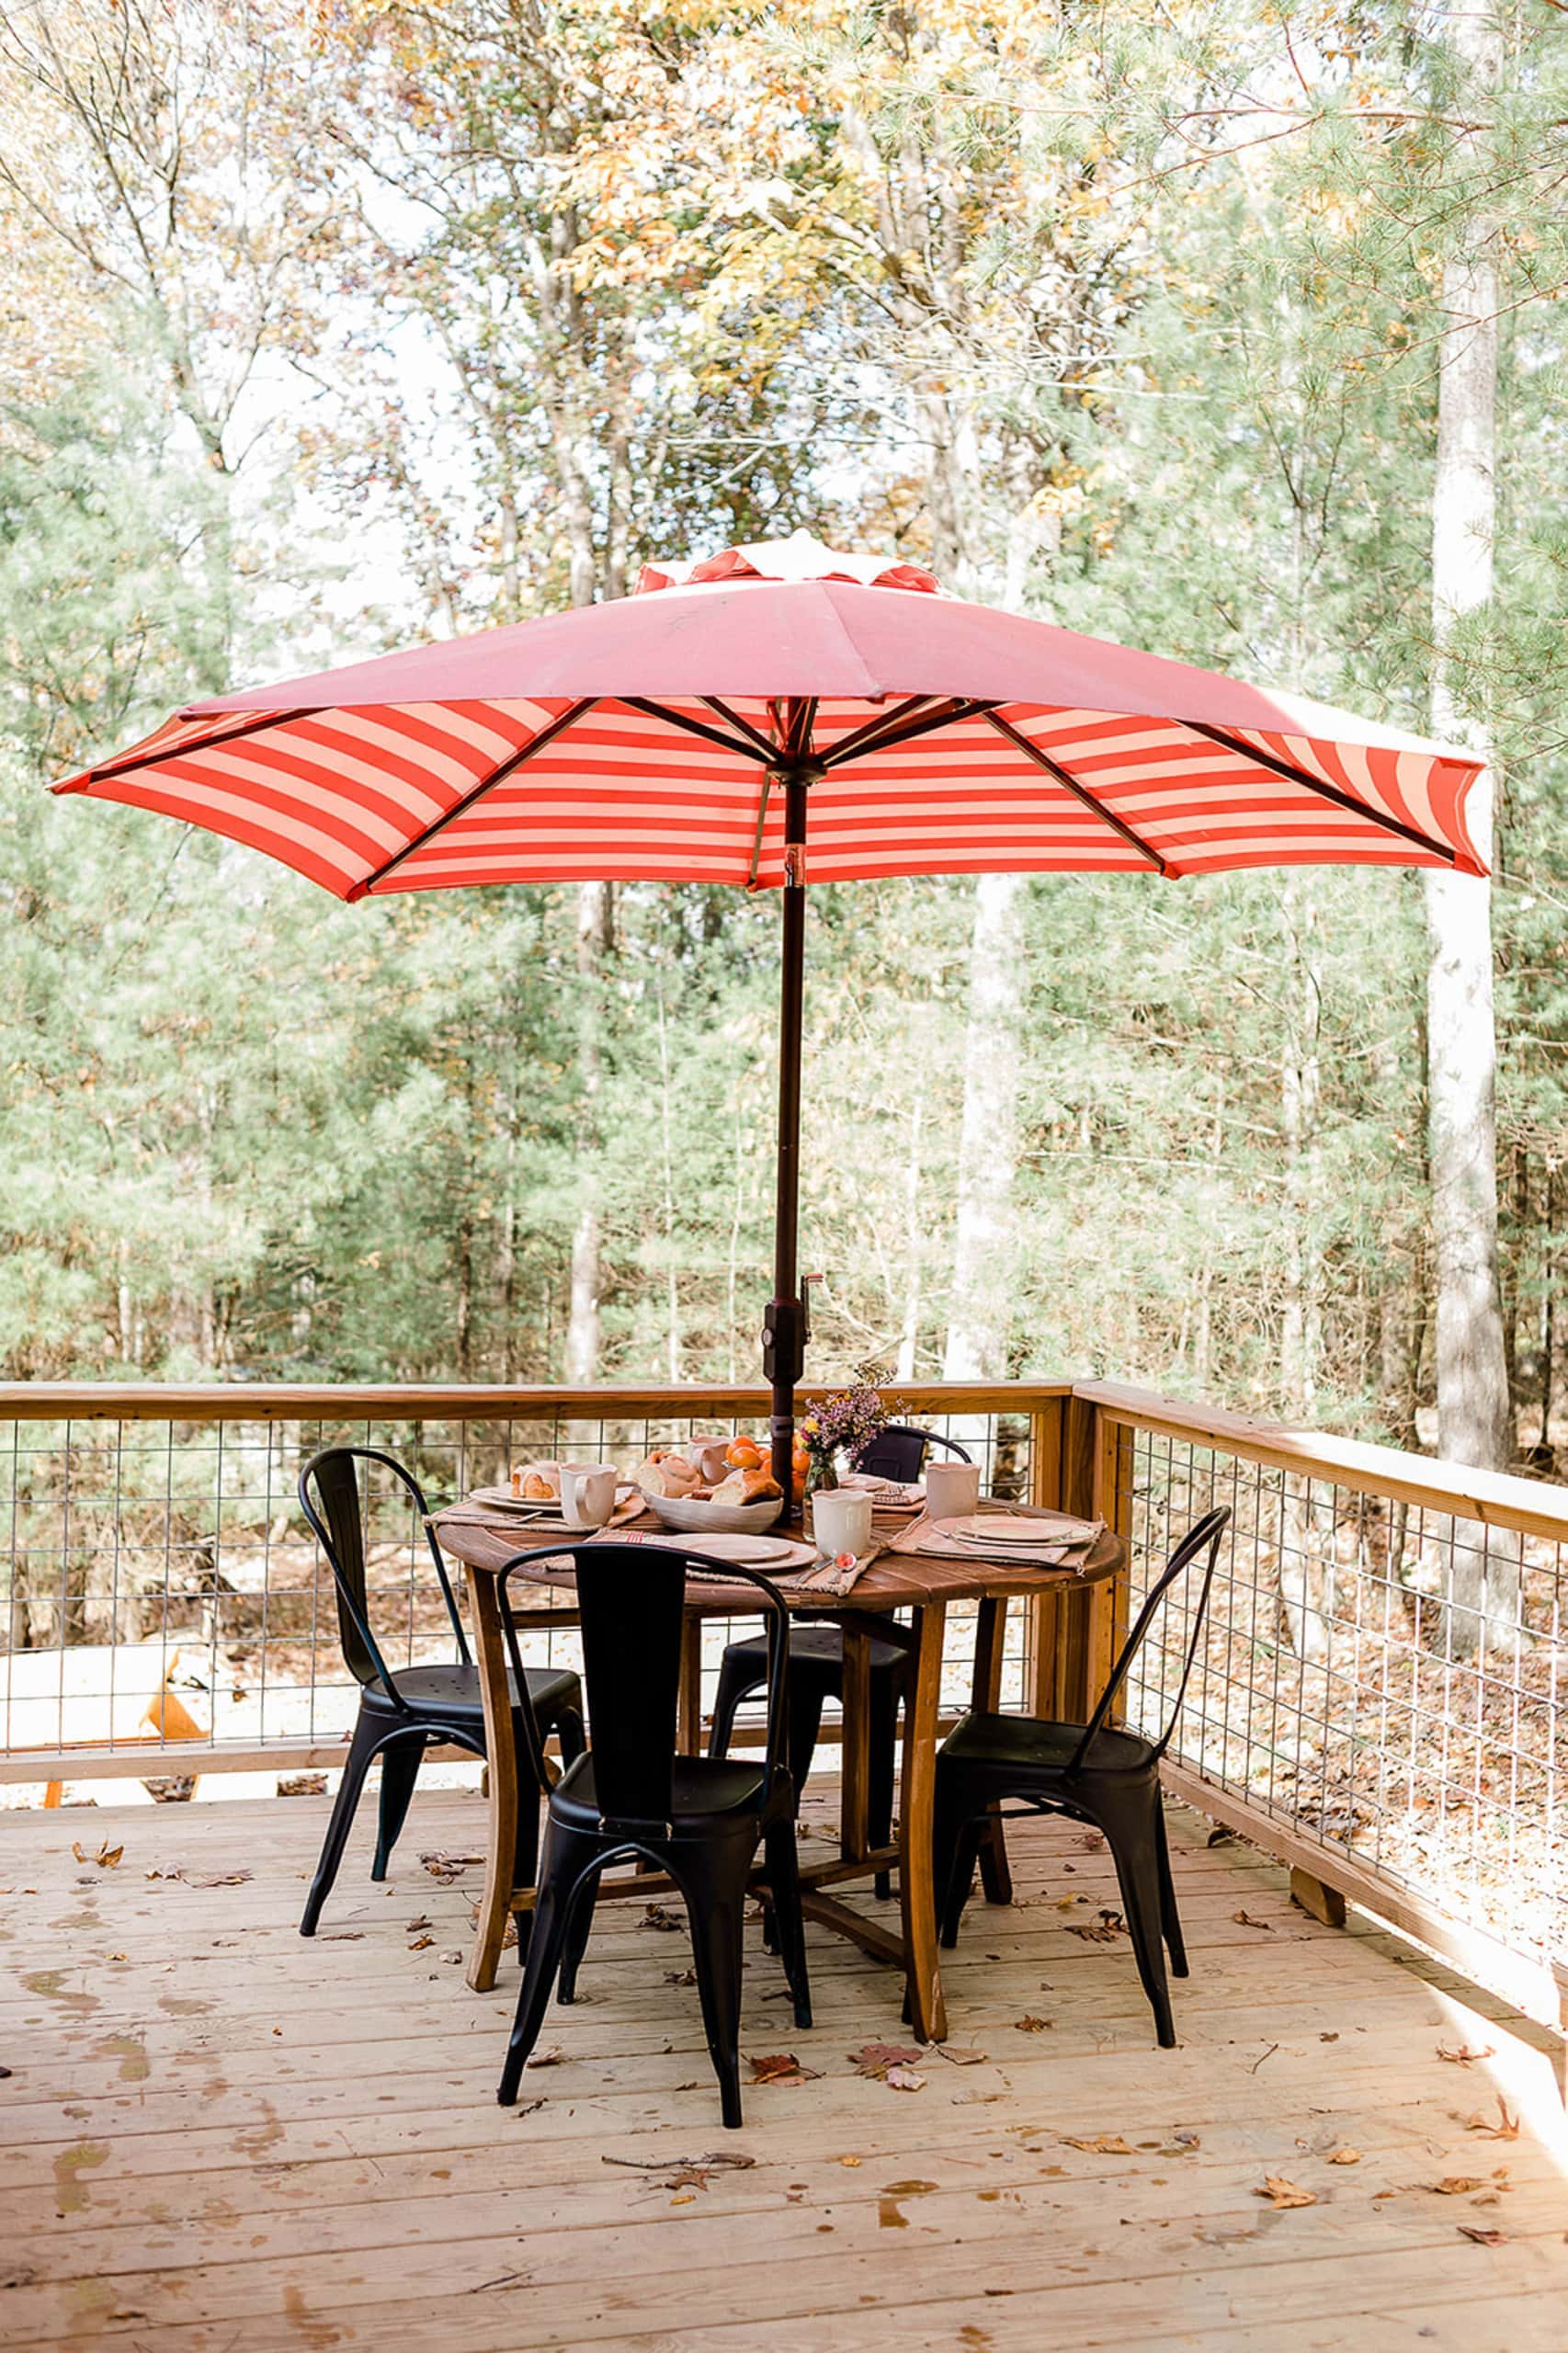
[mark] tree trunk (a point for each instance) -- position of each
(595, 932)
(1475, 1416)
(980, 1315)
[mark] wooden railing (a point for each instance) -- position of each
(1378, 1698)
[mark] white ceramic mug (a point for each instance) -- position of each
(587, 1494)
(841, 1520)
(952, 1489)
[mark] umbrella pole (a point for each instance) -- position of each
(784, 1324)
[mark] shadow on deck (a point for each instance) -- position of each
(217, 2136)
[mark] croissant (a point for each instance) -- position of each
(533, 1486)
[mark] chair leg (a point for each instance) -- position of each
(805, 1722)
(715, 1900)
(784, 1886)
(995, 1871)
(545, 1941)
(1132, 1840)
(879, 1777)
(954, 1842)
(356, 1765)
(401, 1761)
(1170, 1918)
(734, 1684)
(579, 1927)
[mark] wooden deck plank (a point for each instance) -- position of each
(232, 2129)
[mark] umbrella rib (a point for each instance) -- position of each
(1332, 792)
(733, 718)
(252, 726)
(1020, 743)
(850, 744)
(890, 735)
(695, 727)
(498, 775)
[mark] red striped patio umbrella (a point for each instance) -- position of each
(737, 715)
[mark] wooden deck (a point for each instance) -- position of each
(219, 2139)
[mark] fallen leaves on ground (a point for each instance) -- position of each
(958, 2055)
(445, 1868)
(551, 2058)
(1103, 1931)
(685, 1977)
(1103, 2145)
(874, 2059)
(1345, 2156)
(210, 1878)
(1483, 2237)
(1282, 2194)
(780, 2067)
(655, 1916)
(1506, 2129)
(1029, 2024)
(420, 1944)
(1246, 1920)
(1464, 2055)
(106, 1857)
(421, 1920)
(903, 2079)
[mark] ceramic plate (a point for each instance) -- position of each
(991, 1528)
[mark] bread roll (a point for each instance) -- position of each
(537, 1488)
(757, 1486)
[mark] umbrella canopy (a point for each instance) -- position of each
(772, 703)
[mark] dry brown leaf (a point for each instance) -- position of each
(1103, 2144)
(421, 1943)
(553, 2057)
(680, 1976)
(1103, 1931)
(1455, 2185)
(1506, 2129)
(1347, 2156)
(1464, 2055)
(1483, 2237)
(420, 1921)
(655, 1916)
(781, 2067)
(1029, 2024)
(960, 2056)
(1246, 1920)
(874, 2059)
(903, 2079)
(1282, 2194)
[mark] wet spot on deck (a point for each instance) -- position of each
(131, 2054)
(313, 2330)
(50, 1984)
(889, 2210)
(70, 2190)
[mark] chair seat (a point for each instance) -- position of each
(816, 1652)
(703, 1790)
(452, 1691)
(1027, 1745)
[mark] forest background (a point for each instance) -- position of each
(1228, 331)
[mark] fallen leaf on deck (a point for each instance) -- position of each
(1464, 2055)
(1328, 2038)
(958, 2055)
(1482, 2238)
(342, 1937)
(212, 1879)
(848, 2161)
(1181, 2144)
(685, 1977)
(1029, 2024)
(655, 1916)
(420, 1943)
(552, 2058)
(903, 2079)
(421, 1922)
(876, 2058)
(1455, 2185)
(689, 2178)
(976, 2099)
(1103, 2144)
(780, 2067)
(1344, 2157)
(1506, 2129)
(1246, 1920)
(1104, 1931)
(1091, 1841)
(1282, 2194)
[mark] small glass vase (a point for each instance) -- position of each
(820, 1474)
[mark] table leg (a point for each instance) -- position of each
(690, 1713)
(990, 1630)
(495, 1902)
(856, 1753)
(927, 2011)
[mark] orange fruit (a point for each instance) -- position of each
(743, 1454)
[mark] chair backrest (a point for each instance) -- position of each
(330, 1499)
(632, 1603)
(899, 1451)
(1202, 1538)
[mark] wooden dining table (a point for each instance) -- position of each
(925, 1584)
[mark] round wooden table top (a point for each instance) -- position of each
(896, 1581)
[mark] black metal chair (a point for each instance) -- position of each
(698, 1818)
(816, 1662)
(400, 1715)
(1089, 1772)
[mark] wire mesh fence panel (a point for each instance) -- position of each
(161, 1585)
(1384, 1677)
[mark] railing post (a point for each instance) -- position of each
(1072, 1637)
